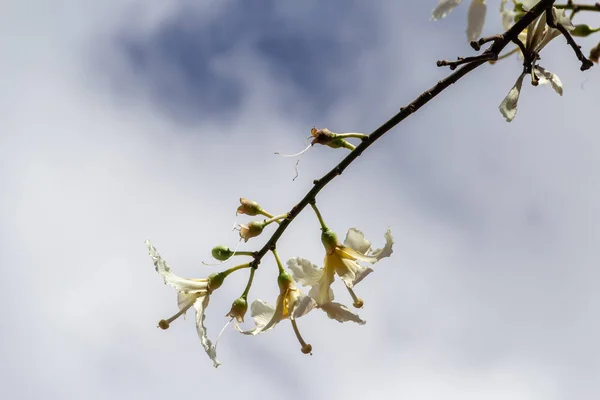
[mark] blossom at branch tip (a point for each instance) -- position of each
(538, 35)
(190, 293)
(475, 16)
(340, 259)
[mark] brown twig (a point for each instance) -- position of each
(499, 43)
(585, 63)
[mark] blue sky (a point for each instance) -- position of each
(130, 120)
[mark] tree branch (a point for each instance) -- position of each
(499, 43)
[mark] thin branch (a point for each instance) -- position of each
(585, 63)
(579, 7)
(497, 46)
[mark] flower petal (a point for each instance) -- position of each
(508, 107)
(304, 272)
(184, 300)
(262, 313)
(303, 306)
(341, 313)
(549, 77)
(355, 239)
(361, 274)
(560, 17)
(200, 305)
(350, 254)
(180, 284)
(443, 8)
(321, 292)
(387, 250)
(475, 19)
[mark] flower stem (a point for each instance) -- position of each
(237, 267)
(275, 219)
(351, 135)
(313, 204)
(278, 260)
(249, 284)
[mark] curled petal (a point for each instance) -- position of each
(262, 313)
(508, 107)
(200, 305)
(387, 250)
(351, 254)
(180, 284)
(548, 77)
(304, 272)
(361, 274)
(303, 306)
(355, 239)
(443, 8)
(475, 19)
(341, 313)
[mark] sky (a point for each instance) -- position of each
(122, 121)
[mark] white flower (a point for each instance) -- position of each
(475, 17)
(538, 35)
(341, 260)
(190, 293)
(291, 304)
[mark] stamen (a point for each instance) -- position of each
(220, 333)
(306, 348)
(165, 323)
(358, 302)
(297, 154)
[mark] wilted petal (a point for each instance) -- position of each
(303, 306)
(341, 313)
(200, 305)
(475, 19)
(180, 284)
(443, 8)
(548, 77)
(304, 272)
(508, 107)
(355, 239)
(387, 250)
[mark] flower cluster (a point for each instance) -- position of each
(340, 259)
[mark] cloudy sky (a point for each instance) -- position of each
(122, 121)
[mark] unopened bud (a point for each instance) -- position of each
(249, 207)
(222, 253)
(252, 229)
(238, 309)
(322, 136)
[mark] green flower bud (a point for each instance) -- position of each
(249, 207)
(583, 30)
(238, 309)
(222, 253)
(252, 229)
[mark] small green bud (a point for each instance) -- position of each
(216, 280)
(249, 207)
(222, 253)
(583, 30)
(329, 240)
(238, 309)
(252, 229)
(337, 143)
